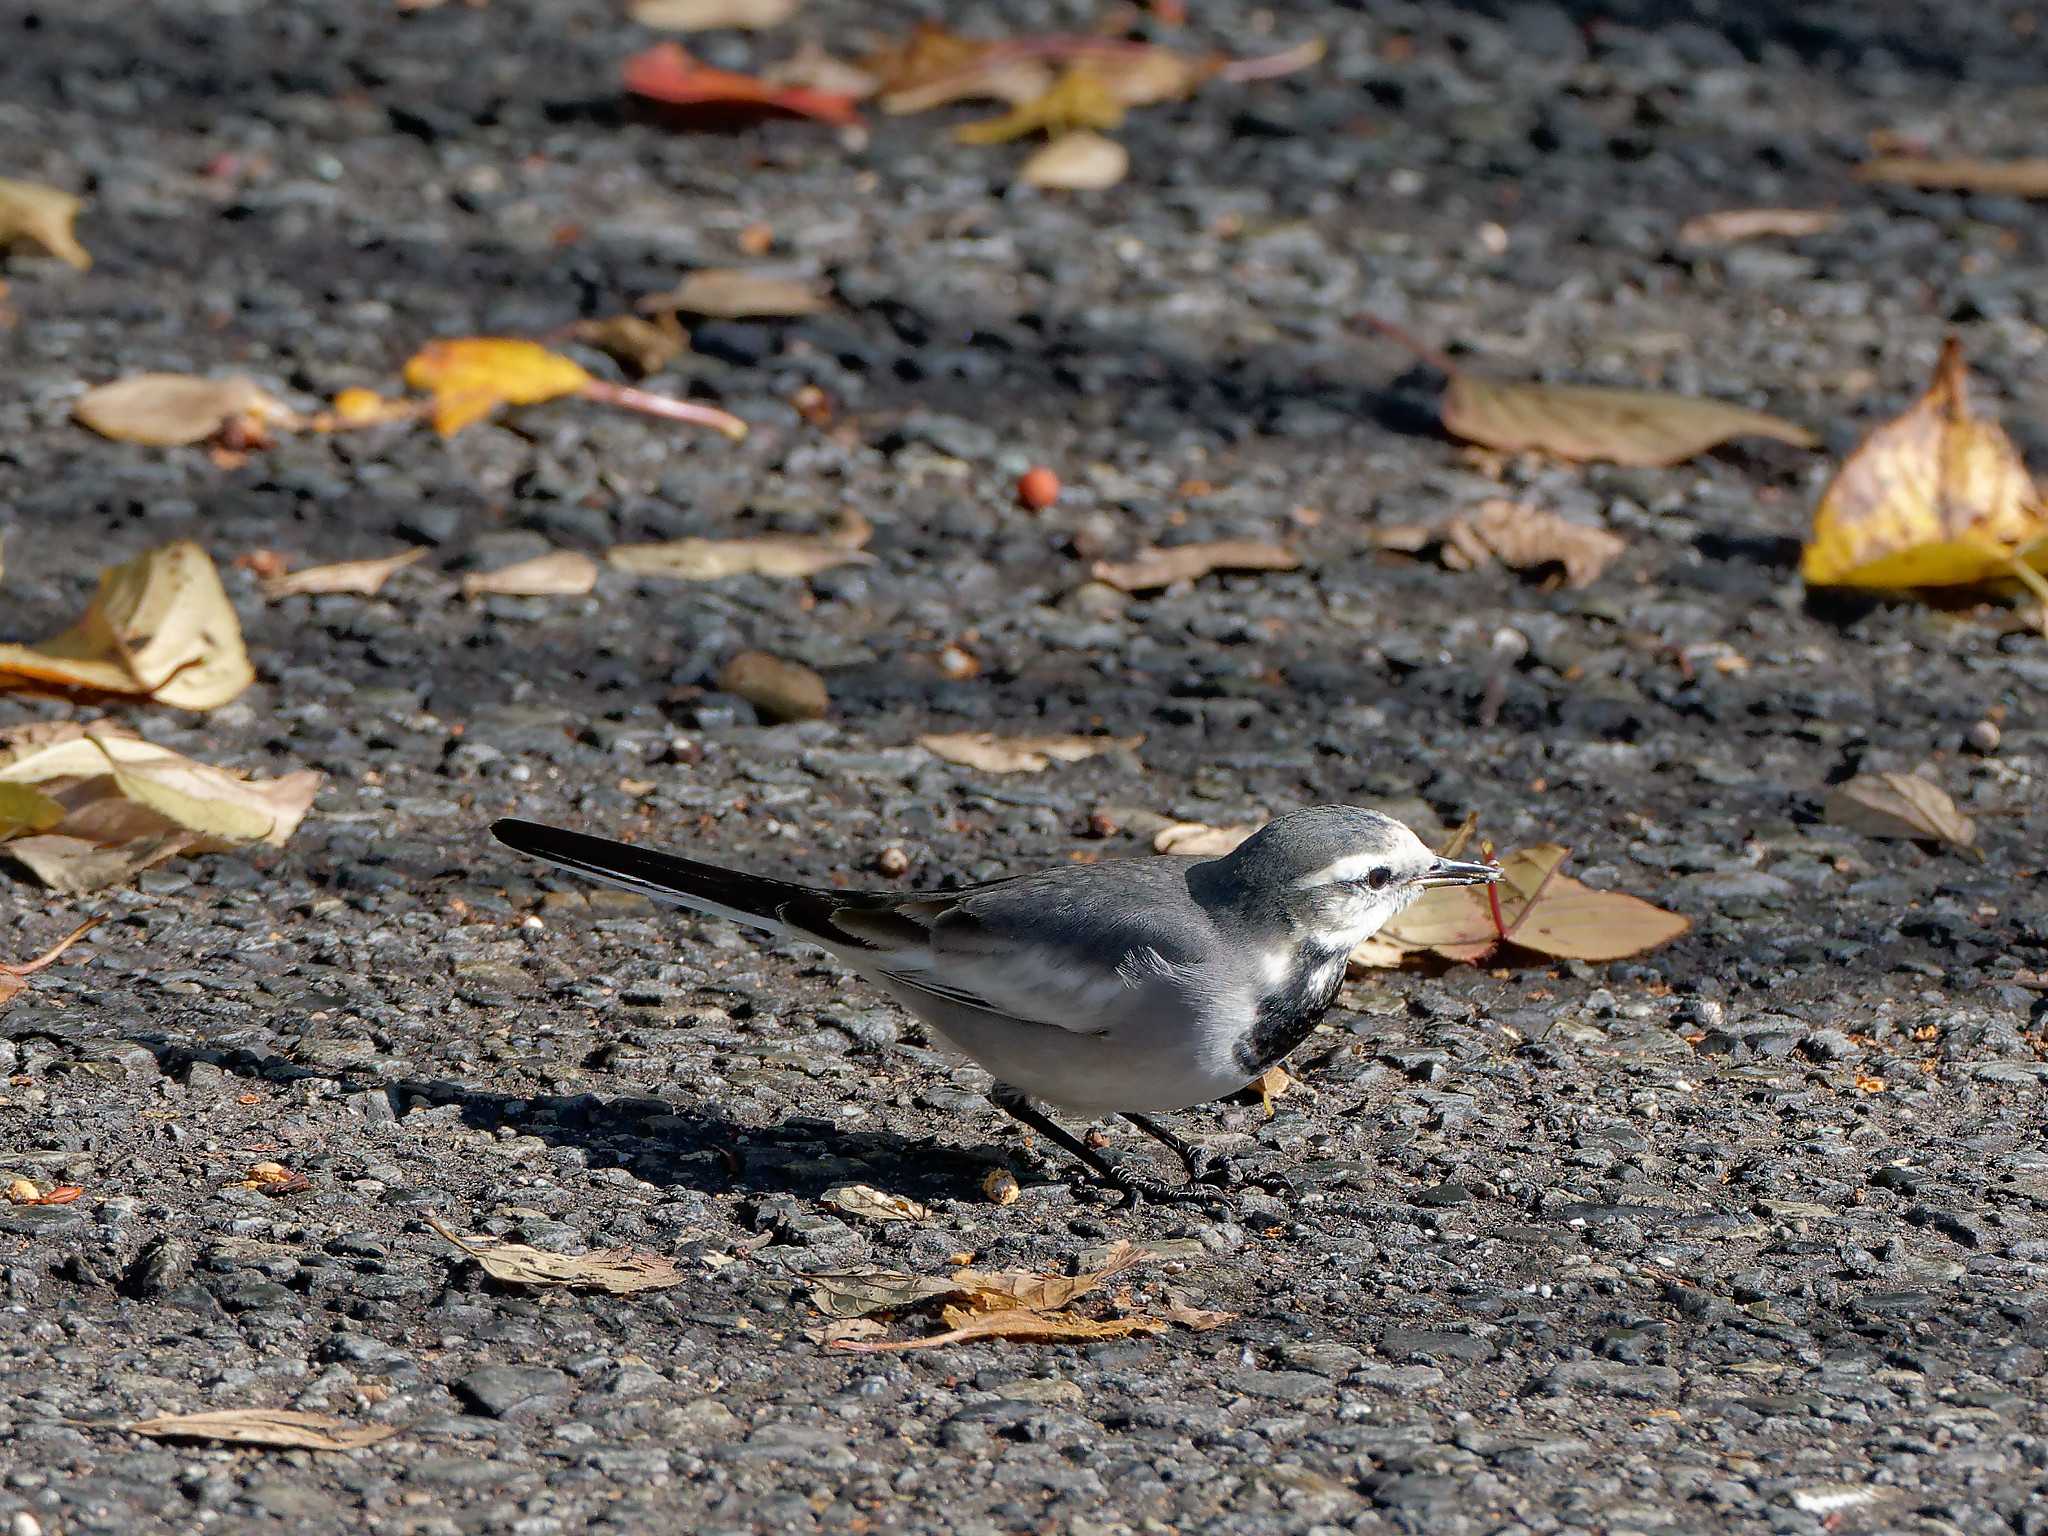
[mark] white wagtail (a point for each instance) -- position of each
(1120, 988)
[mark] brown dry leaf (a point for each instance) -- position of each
(169, 410)
(1077, 162)
(1081, 98)
(363, 577)
(1541, 910)
(783, 555)
(621, 1271)
(1899, 805)
(1198, 1319)
(1199, 840)
(281, 1428)
(1021, 754)
(1019, 1326)
(1156, 568)
(1937, 497)
(76, 866)
(871, 1204)
(1272, 1084)
(999, 1187)
(864, 1292)
(1621, 426)
(1526, 538)
(1999, 178)
(160, 625)
(709, 15)
(936, 68)
(13, 977)
(560, 573)
(995, 1290)
(642, 346)
(734, 293)
(1731, 225)
(781, 690)
(33, 213)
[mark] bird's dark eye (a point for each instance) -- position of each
(1379, 877)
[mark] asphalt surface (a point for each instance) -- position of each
(1748, 1233)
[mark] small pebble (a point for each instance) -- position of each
(1983, 737)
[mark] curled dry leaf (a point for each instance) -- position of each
(1077, 162)
(160, 625)
(169, 410)
(1020, 1326)
(999, 1187)
(123, 804)
(621, 1271)
(1196, 839)
(640, 346)
(34, 214)
(1934, 498)
(364, 577)
(871, 1204)
(735, 293)
(781, 690)
(560, 573)
(280, 1428)
(709, 15)
(1527, 538)
(1731, 225)
(1899, 805)
(1272, 1084)
(1021, 754)
(784, 555)
(1081, 98)
(1539, 909)
(667, 74)
(1156, 568)
(1998, 178)
(1621, 426)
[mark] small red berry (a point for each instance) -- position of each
(1038, 488)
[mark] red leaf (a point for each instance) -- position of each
(666, 73)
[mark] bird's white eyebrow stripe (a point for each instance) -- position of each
(1353, 866)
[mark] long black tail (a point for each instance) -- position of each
(726, 893)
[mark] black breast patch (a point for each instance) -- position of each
(1287, 1015)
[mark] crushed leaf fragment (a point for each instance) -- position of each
(33, 214)
(559, 573)
(363, 577)
(277, 1428)
(621, 1271)
(1021, 754)
(1155, 568)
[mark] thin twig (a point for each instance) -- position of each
(650, 404)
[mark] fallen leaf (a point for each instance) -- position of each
(782, 555)
(734, 293)
(14, 977)
(1527, 538)
(280, 1428)
(1196, 839)
(1999, 178)
(1272, 1084)
(471, 376)
(811, 66)
(1191, 562)
(1018, 1326)
(1540, 909)
(169, 410)
(1937, 497)
(1077, 162)
(1080, 98)
(1621, 426)
(871, 1204)
(709, 15)
(934, 67)
(128, 804)
(999, 1187)
(667, 74)
(781, 690)
(560, 573)
(621, 1271)
(40, 215)
(1730, 225)
(161, 625)
(642, 346)
(1198, 1319)
(1021, 754)
(1899, 805)
(864, 1292)
(275, 1179)
(365, 577)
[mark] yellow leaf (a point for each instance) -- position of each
(1622, 426)
(1934, 498)
(42, 215)
(160, 625)
(472, 376)
(169, 410)
(23, 809)
(366, 578)
(1080, 98)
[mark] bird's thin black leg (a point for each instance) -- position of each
(1203, 1167)
(1014, 1103)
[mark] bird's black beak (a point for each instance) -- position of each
(1459, 872)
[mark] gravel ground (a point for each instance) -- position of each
(1749, 1234)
